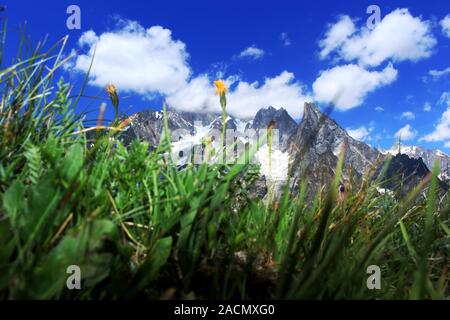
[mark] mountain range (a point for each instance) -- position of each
(429, 156)
(307, 150)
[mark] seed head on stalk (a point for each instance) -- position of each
(112, 92)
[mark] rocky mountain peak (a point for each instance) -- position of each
(285, 124)
(312, 114)
(263, 117)
(429, 156)
(315, 148)
(404, 173)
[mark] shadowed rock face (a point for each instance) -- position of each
(315, 149)
(283, 122)
(429, 157)
(403, 173)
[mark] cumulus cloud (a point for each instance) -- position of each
(445, 25)
(427, 107)
(197, 96)
(337, 35)
(379, 109)
(407, 115)
(88, 38)
(441, 130)
(406, 133)
(245, 99)
(252, 52)
(347, 86)
(361, 133)
(398, 37)
(135, 59)
(280, 91)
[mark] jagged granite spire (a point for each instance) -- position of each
(315, 148)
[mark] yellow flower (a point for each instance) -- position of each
(111, 89)
(221, 87)
(112, 92)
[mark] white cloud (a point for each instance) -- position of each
(280, 91)
(135, 59)
(347, 86)
(398, 37)
(285, 39)
(441, 130)
(337, 35)
(150, 61)
(439, 73)
(361, 133)
(197, 96)
(252, 52)
(408, 115)
(88, 38)
(406, 133)
(444, 100)
(379, 109)
(445, 25)
(427, 107)
(245, 99)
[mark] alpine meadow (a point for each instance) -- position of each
(100, 203)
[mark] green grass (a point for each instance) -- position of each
(138, 227)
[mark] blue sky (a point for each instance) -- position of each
(296, 51)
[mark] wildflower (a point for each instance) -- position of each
(111, 89)
(221, 87)
(221, 90)
(112, 92)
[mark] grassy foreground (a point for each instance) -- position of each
(138, 227)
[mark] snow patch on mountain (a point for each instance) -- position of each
(241, 125)
(274, 167)
(182, 148)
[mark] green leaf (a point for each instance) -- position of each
(85, 249)
(34, 162)
(409, 245)
(6, 239)
(72, 162)
(13, 200)
(148, 271)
